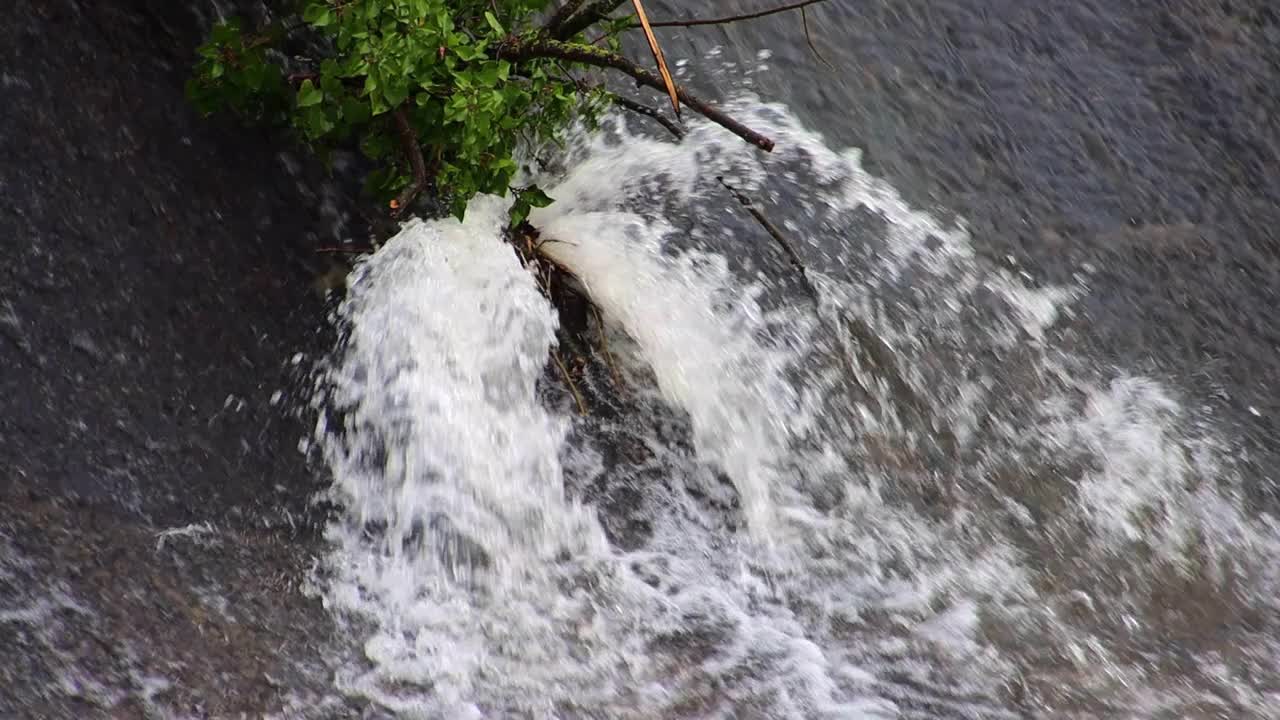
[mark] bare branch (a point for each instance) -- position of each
(585, 18)
(735, 18)
(604, 346)
(641, 109)
(561, 15)
(413, 151)
(516, 50)
(777, 236)
(568, 380)
(804, 21)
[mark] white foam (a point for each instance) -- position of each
(700, 331)
(868, 579)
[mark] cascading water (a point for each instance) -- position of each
(745, 538)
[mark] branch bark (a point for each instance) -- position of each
(642, 109)
(585, 18)
(413, 151)
(515, 50)
(561, 15)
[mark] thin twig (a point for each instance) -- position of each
(629, 104)
(647, 111)
(516, 50)
(804, 21)
(776, 234)
(604, 347)
(573, 388)
(735, 18)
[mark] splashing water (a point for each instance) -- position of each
(745, 538)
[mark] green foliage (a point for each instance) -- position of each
(526, 200)
(435, 60)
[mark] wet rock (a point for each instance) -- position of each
(81, 341)
(158, 264)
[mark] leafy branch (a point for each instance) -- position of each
(437, 93)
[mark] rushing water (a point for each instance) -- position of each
(743, 533)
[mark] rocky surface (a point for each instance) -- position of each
(156, 319)
(155, 531)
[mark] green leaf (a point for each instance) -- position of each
(354, 111)
(433, 57)
(255, 75)
(536, 197)
(458, 208)
(309, 95)
(396, 92)
(493, 23)
(519, 213)
(330, 85)
(318, 15)
(226, 33)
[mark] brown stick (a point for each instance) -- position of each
(604, 347)
(657, 56)
(516, 50)
(413, 151)
(573, 388)
(735, 18)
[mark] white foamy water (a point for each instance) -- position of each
(743, 537)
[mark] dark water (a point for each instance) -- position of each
(158, 269)
(1141, 138)
(155, 286)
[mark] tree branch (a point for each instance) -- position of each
(641, 109)
(585, 18)
(561, 15)
(516, 50)
(413, 151)
(735, 18)
(568, 380)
